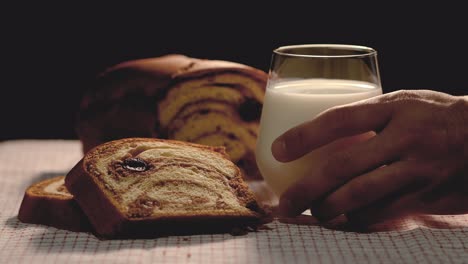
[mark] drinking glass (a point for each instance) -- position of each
(305, 80)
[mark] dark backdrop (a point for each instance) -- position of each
(52, 53)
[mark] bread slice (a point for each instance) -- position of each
(209, 102)
(142, 187)
(49, 203)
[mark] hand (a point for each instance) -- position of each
(416, 163)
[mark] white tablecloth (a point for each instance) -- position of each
(424, 239)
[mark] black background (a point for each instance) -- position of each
(51, 53)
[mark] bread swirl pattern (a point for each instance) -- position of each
(148, 187)
(216, 109)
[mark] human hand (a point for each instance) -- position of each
(416, 163)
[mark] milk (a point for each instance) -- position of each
(290, 103)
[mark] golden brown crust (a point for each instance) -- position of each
(177, 66)
(98, 208)
(199, 67)
(110, 222)
(56, 210)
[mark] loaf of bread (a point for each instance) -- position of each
(121, 101)
(49, 203)
(215, 103)
(140, 188)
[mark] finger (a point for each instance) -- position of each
(379, 213)
(391, 207)
(339, 168)
(448, 197)
(425, 196)
(395, 207)
(371, 187)
(453, 203)
(342, 121)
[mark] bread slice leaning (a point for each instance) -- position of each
(49, 203)
(141, 187)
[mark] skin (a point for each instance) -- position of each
(416, 162)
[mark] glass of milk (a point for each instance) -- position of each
(305, 80)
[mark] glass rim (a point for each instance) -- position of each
(365, 51)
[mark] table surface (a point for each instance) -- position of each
(422, 239)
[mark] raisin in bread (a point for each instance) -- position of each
(210, 102)
(140, 187)
(49, 203)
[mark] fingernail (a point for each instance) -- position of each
(278, 149)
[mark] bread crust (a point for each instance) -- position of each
(52, 210)
(177, 66)
(109, 222)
